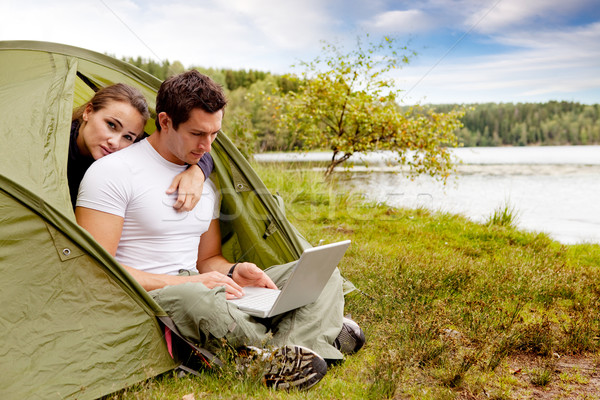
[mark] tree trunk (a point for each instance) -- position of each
(334, 163)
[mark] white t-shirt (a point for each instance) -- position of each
(131, 183)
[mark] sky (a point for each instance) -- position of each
(467, 51)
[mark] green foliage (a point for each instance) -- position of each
(250, 115)
(230, 79)
(550, 123)
(218, 75)
(161, 70)
(347, 103)
(242, 78)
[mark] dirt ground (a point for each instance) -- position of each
(567, 377)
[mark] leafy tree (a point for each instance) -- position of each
(215, 74)
(175, 68)
(249, 119)
(161, 70)
(347, 102)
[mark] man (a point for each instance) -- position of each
(178, 259)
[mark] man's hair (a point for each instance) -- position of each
(180, 94)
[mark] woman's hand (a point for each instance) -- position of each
(188, 185)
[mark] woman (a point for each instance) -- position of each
(112, 120)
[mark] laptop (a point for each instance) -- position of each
(305, 284)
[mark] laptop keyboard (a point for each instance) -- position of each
(259, 301)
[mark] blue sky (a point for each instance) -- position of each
(469, 51)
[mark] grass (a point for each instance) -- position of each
(506, 215)
(448, 305)
(541, 377)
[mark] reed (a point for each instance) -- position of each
(506, 215)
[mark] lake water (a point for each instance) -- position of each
(555, 189)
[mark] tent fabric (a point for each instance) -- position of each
(75, 324)
(70, 328)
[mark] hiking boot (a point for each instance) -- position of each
(350, 339)
(290, 367)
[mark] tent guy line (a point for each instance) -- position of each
(131, 30)
(460, 39)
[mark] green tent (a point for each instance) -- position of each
(74, 324)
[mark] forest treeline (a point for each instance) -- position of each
(250, 121)
(521, 124)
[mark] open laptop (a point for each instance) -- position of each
(305, 284)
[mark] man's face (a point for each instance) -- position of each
(194, 137)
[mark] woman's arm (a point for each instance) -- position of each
(190, 182)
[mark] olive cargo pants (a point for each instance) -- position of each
(204, 316)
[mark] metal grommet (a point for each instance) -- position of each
(66, 252)
(240, 185)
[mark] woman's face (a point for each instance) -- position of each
(109, 129)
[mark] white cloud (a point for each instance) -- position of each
(548, 62)
(584, 39)
(236, 34)
(85, 24)
(551, 65)
(290, 25)
(270, 35)
(408, 21)
(254, 34)
(483, 16)
(495, 16)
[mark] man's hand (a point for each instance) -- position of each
(214, 279)
(188, 185)
(248, 274)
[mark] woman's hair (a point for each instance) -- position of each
(116, 92)
(180, 94)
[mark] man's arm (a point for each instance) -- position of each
(106, 228)
(210, 258)
(190, 182)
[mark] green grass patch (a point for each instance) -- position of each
(445, 302)
(506, 215)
